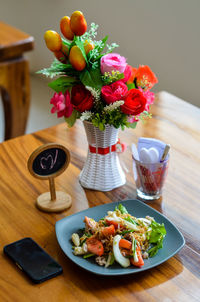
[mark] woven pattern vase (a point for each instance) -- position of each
(101, 172)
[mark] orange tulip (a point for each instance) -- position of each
(53, 40)
(76, 58)
(65, 28)
(78, 23)
(88, 46)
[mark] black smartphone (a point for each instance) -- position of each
(33, 260)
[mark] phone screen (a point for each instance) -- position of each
(33, 260)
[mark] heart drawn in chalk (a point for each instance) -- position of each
(47, 163)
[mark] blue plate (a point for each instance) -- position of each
(65, 227)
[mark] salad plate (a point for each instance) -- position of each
(65, 227)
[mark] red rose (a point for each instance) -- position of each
(134, 102)
(81, 98)
(114, 92)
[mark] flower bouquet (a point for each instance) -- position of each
(98, 87)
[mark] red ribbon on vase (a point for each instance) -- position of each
(118, 147)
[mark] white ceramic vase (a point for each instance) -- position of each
(101, 172)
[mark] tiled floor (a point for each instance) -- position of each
(40, 116)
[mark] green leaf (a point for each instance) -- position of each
(72, 119)
(131, 86)
(103, 44)
(91, 78)
(95, 54)
(62, 84)
(157, 230)
(153, 251)
(122, 209)
(58, 68)
(80, 45)
(157, 236)
(132, 125)
(101, 126)
(65, 42)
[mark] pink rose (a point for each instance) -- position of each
(61, 104)
(114, 92)
(127, 73)
(113, 61)
(150, 97)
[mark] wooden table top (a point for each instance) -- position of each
(174, 121)
(13, 42)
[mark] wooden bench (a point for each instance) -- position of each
(14, 78)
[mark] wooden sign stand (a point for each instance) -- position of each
(47, 162)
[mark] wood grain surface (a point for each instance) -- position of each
(175, 122)
(14, 78)
(13, 42)
(15, 92)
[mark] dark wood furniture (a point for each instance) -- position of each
(178, 279)
(14, 78)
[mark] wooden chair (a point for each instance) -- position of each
(14, 78)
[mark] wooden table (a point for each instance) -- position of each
(14, 78)
(174, 121)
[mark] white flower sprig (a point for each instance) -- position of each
(85, 116)
(113, 106)
(91, 34)
(96, 93)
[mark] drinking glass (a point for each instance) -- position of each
(149, 178)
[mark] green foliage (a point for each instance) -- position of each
(144, 115)
(131, 86)
(100, 45)
(66, 42)
(111, 47)
(62, 84)
(156, 237)
(58, 68)
(72, 119)
(109, 78)
(80, 45)
(91, 78)
(115, 117)
(131, 125)
(91, 33)
(95, 54)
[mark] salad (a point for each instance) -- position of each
(119, 237)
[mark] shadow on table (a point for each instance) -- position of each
(118, 194)
(133, 283)
(157, 204)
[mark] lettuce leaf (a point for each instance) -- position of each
(156, 238)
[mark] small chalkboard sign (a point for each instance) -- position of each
(47, 162)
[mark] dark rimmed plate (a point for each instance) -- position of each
(65, 227)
